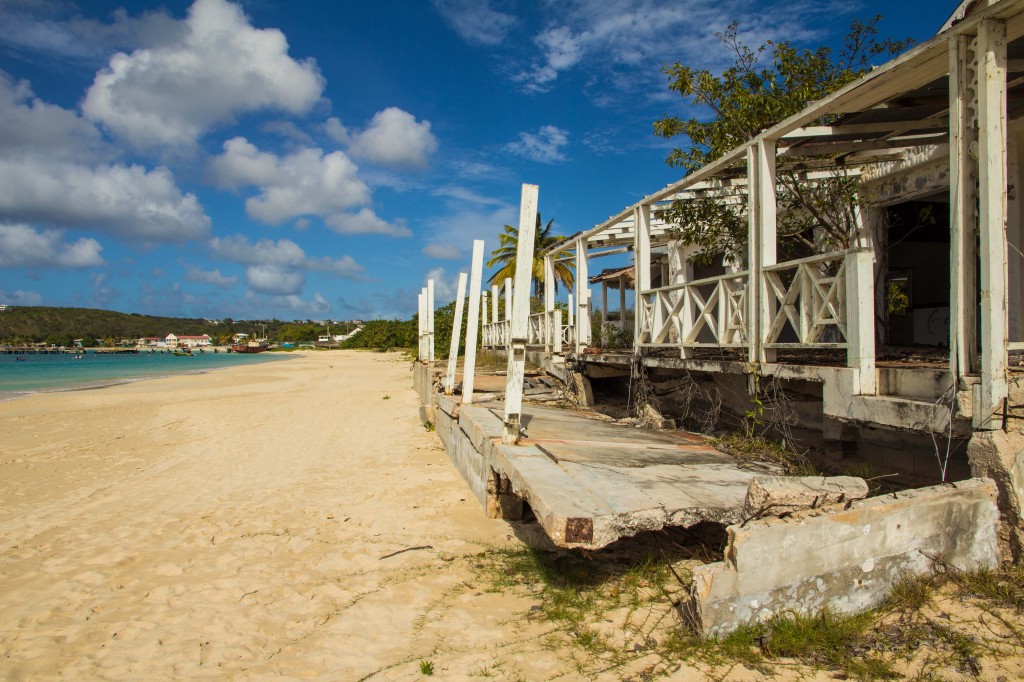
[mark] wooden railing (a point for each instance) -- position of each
(495, 334)
(705, 312)
(808, 299)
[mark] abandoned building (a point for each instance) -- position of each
(895, 350)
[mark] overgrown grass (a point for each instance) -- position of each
(623, 613)
(761, 449)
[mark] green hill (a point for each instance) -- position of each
(60, 325)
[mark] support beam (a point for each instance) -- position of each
(549, 303)
(483, 308)
(430, 321)
(508, 300)
(469, 364)
(570, 310)
(582, 297)
(520, 314)
(622, 303)
(494, 303)
(453, 351)
(641, 271)
(860, 305)
(992, 208)
(421, 318)
(963, 199)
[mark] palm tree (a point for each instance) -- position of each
(505, 256)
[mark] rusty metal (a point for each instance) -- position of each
(579, 531)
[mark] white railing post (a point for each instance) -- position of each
(963, 199)
(860, 306)
(582, 297)
(765, 253)
(421, 335)
(469, 365)
(520, 314)
(508, 299)
(641, 271)
(549, 303)
(453, 352)
(992, 211)
(430, 320)
(494, 304)
(484, 329)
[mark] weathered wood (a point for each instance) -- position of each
(483, 308)
(520, 314)
(582, 285)
(469, 363)
(453, 352)
(494, 303)
(508, 301)
(570, 310)
(421, 334)
(430, 320)
(860, 306)
(642, 267)
(963, 346)
(549, 302)
(767, 235)
(992, 216)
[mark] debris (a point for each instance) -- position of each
(407, 549)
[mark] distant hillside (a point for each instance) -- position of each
(38, 323)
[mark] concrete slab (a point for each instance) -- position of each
(591, 482)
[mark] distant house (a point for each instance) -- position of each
(150, 342)
(3, 307)
(237, 338)
(183, 341)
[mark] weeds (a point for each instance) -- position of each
(758, 448)
(427, 668)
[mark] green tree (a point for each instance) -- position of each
(505, 257)
(744, 100)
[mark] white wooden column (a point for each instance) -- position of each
(582, 297)
(963, 199)
(622, 303)
(860, 305)
(469, 364)
(453, 352)
(763, 239)
(494, 303)
(508, 301)
(430, 320)
(641, 270)
(604, 309)
(549, 303)
(483, 308)
(992, 217)
(570, 310)
(421, 333)
(520, 314)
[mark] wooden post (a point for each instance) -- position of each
(422, 319)
(494, 303)
(765, 252)
(860, 306)
(453, 352)
(992, 217)
(549, 303)
(430, 320)
(520, 314)
(963, 199)
(485, 336)
(582, 297)
(508, 300)
(604, 308)
(641, 270)
(469, 364)
(570, 310)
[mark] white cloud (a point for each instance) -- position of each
(221, 66)
(102, 292)
(294, 304)
(476, 21)
(443, 251)
(214, 277)
(23, 246)
(544, 146)
(31, 127)
(366, 222)
(273, 279)
(393, 138)
(306, 182)
(20, 297)
(127, 201)
(53, 172)
(445, 286)
(277, 267)
(336, 131)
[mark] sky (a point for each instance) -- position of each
(321, 160)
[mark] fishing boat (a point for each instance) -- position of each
(183, 352)
(257, 346)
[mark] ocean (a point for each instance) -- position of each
(37, 373)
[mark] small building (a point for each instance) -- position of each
(184, 341)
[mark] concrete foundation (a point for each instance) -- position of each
(845, 558)
(1000, 456)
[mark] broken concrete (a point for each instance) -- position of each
(775, 495)
(846, 560)
(999, 456)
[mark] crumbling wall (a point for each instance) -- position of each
(845, 558)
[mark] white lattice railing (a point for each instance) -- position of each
(536, 330)
(495, 334)
(568, 336)
(809, 300)
(708, 312)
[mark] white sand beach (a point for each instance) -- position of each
(231, 525)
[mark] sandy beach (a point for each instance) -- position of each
(237, 525)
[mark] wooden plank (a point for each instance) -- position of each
(508, 300)
(582, 297)
(992, 216)
(766, 254)
(453, 351)
(422, 324)
(469, 364)
(494, 303)
(642, 269)
(520, 314)
(549, 303)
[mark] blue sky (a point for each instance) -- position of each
(310, 159)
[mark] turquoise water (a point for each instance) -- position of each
(63, 372)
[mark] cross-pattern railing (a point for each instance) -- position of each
(536, 331)
(705, 312)
(568, 336)
(495, 334)
(809, 300)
